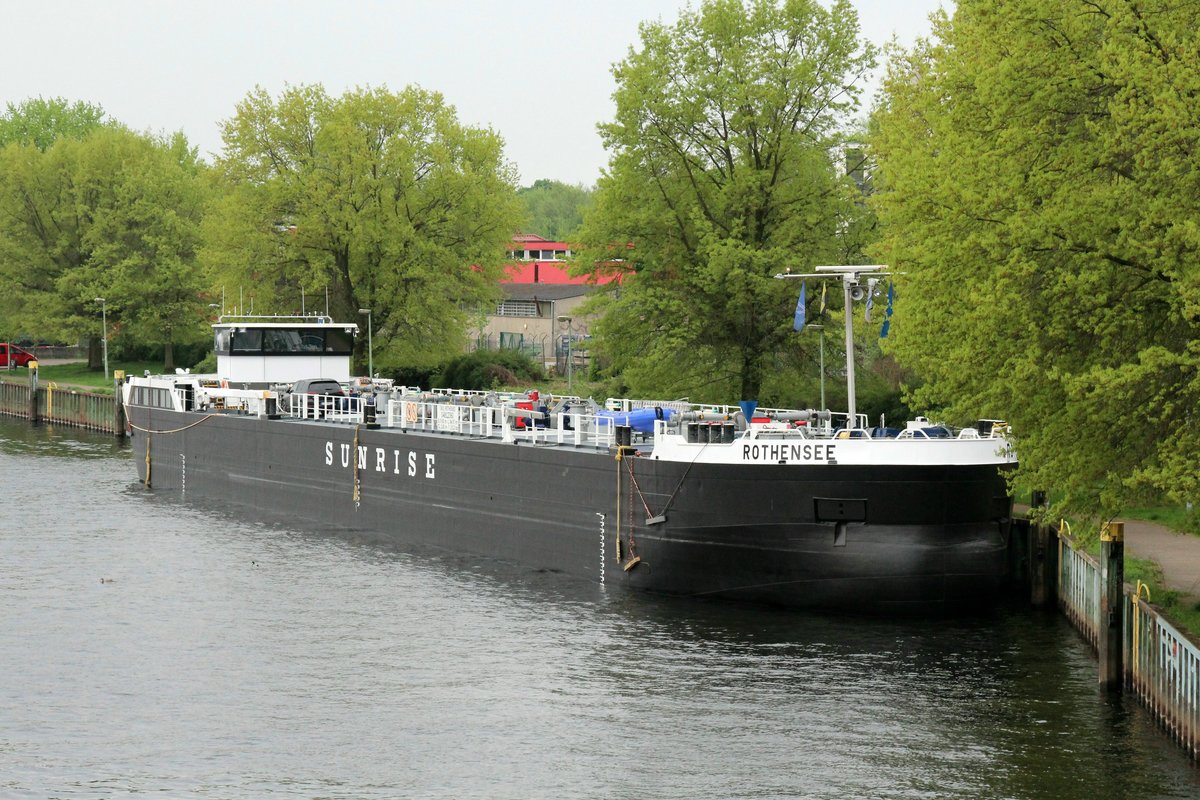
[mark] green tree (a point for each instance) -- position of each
(722, 174)
(38, 122)
(1040, 190)
(115, 215)
(555, 208)
(383, 199)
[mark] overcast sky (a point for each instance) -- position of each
(535, 71)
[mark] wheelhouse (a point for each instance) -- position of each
(263, 351)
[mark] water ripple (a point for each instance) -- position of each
(152, 646)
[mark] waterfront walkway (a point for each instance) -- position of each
(1177, 553)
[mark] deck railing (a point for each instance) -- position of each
(446, 416)
(505, 423)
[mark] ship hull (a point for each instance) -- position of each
(832, 536)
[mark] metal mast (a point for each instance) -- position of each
(852, 289)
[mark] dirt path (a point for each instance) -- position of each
(1177, 553)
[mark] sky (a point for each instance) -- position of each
(536, 72)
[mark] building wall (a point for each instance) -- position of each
(541, 331)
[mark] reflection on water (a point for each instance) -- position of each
(19, 438)
(152, 646)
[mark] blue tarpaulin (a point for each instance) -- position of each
(641, 419)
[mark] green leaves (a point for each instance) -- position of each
(109, 214)
(555, 208)
(722, 175)
(384, 199)
(38, 122)
(1041, 194)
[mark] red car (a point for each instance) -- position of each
(13, 356)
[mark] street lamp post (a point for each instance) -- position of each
(570, 354)
(370, 344)
(104, 332)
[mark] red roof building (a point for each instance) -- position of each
(538, 260)
(540, 297)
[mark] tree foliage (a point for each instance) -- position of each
(555, 208)
(722, 174)
(383, 199)
(1040, 190)
(111, 214)
(38, 122)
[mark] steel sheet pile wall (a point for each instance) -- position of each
(96, 412)
(1079, 589)
(1163, 670)
(14, 399)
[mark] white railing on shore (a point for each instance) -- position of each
(1079, 589)
(1163, 670)
(1161, 665)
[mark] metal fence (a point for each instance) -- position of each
(96, 412)
(536, 347)
(1162, 668)
(1079, 589)
(1161, 665)
(14, 400)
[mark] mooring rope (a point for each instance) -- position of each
(618, 494)
(151, 431)
(354, 455)
(650, 514)
(173, 430)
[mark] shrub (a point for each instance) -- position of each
(488, 369)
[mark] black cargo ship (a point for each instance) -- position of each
(789, 507)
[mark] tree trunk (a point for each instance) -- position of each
(95, 354)
(752, 374)
(169, 358)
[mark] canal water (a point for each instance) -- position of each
(153, 647)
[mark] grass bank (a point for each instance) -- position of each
(76, 375)
(1182, 610)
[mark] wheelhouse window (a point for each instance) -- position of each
(247, 342)
(151, 396)
(284, 341)
(338, 342)
(281, 340)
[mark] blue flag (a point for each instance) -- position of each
(887, 315)
(798, 324)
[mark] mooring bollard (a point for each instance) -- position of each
(1039, 545)
(369, 410)
(119, 416)
(1112, 623)
(33, 393)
